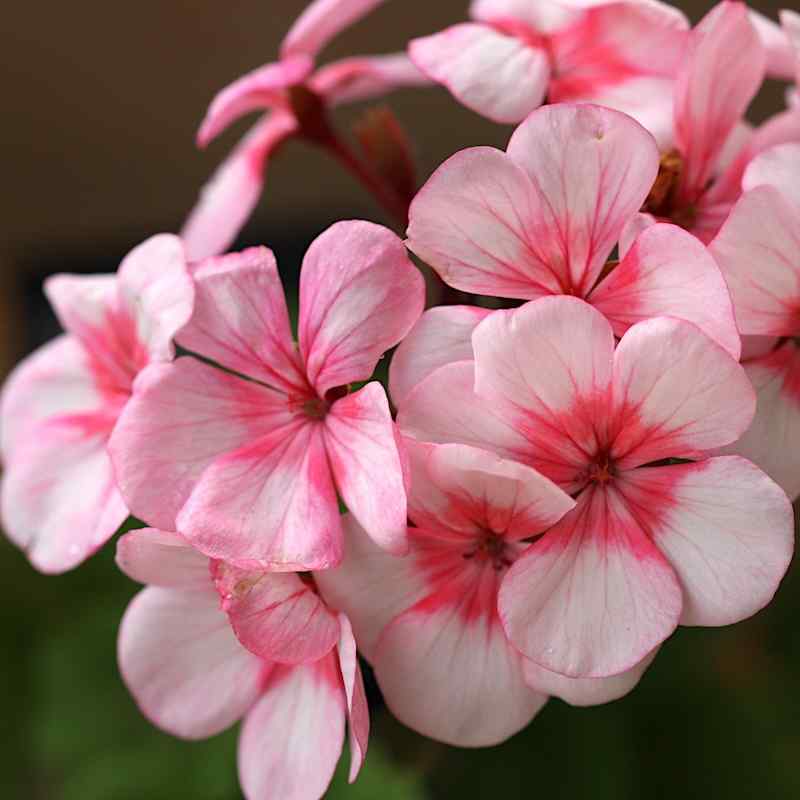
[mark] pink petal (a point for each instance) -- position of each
(442, 335)
(182, 416)
(757, 252)
(162, 558)
(779, 167)
(501, 77)
(59, 499)
(726, 529)
(592, 169)
(676, 393)
(269, 505)
(183, 665)
(633, 228)
(156, 289)
(357, 709)
(722, 72)
(462, 486)
(234, 189)
(539, 16)
(291, 740)
(321, 21)
(240, 320)
(360, 294)
(370, 585)
(668, 272)
(81, 302)
(275, 615)
(773, 439)
(262, 89)
(359, 78)
(362, 451)
(445, 408)
(585, 691)
(592, 597)
(450, 674)
(545, 369)
(781, 56)
(54, 381)
(477, 223)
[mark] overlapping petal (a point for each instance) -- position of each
(162, 558)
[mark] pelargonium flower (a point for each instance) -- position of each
(282, 90)
(543, 217)
(758, 249)
(651, 543)
(429, 622)
(790, 22)
(295, 687)
(244, 456)
(60, 405)
(515, 54)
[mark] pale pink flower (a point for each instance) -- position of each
(246, 461)
(429, 622)
(651, 543)
(293, 677)
(543, 217)
(59, 406)
(516, 53)
(790, 23)
(758, 249)
(232, 193)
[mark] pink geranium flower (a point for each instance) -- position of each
(295, 687)
(246, 460)
(282, 89)
(651, 543)
(60, 405)
(543, 217)
(429, 622)
(758, 249)
(517, 52)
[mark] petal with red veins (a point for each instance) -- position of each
(722, 71)
(360, 294)
(499, 76)
(362, 450)
(446, 670)
(240, 320)
(594, 595)
(546, 369)
(232, 192)
(181, 417)
(276, 615)
(540, 16)
(321, 21)
(637, 224)
(726, 529)
(162, 558)
(155, 286)
(180, 660)
(441, 336)
(357, 709)
(370, 585)
(585, 691)
(269, 505)
(773, 439)
(477, 223)
(592, 169)
(757, 250)
(81, 302)
(291, 740)
(59, 499)
(778, 166)
(676, 393)
(668, 272)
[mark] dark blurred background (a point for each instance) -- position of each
(101, 101)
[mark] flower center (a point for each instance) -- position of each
(491, 548)
(662, 200)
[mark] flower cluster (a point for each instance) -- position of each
(591, 437)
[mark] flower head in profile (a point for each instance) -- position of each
(243, 450)
(291, 96)
(60, 405)
(662, 532)
(543, 218)
(205, 644)
(758, 250)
